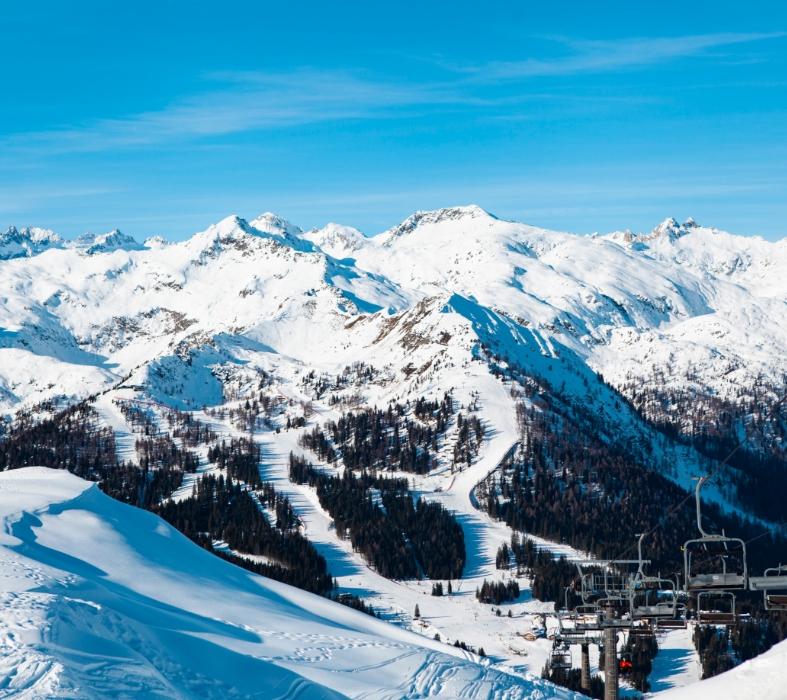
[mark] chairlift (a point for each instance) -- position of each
(577, 619)
(773, 586)
(651, 596)
(560, 659)
(587, 615)
(716, 608)
(604, 586)
(731, 571)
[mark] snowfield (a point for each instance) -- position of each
(683, 300)
(763, 678)
(101, 600)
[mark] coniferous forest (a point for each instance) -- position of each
(399, 538)
(585, 492)
(225, 509)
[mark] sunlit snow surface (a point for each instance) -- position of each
(103, 600)
(762, 678)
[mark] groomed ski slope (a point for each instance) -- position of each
(761, 678)
(99, 599)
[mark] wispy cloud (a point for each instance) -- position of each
(244, 101)
(20, 198)
(609, 55)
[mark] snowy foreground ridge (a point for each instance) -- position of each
(762, 678)
(100, 599)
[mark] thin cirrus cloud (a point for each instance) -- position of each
(247, 101)
(609, 55)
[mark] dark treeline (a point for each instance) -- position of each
(573, 680)
(188, 429)
(224, 509)
(713, 646)
(72, 439)
(469, 436)
(162, 452)
(635, 665)
(722, 648)
(594, 497)
(354, 513)
(436, 538)
(397, 537)
(354, 602)
(713, 425)
(497, 592)
(549, 575)
(375, 439)
(240, 457)
(591, 495)
(636, 660)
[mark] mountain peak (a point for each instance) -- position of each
(671, 229)
(337, 240)
(231, 227)
(91, 243)
(156, 242)
(436, 216)
(273, 223)
(27, 241)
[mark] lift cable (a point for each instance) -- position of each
(712, 472)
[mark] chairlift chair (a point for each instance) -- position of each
(716, 608)
(603, 586)
(720, 580)
(773, 586)
(587, 617)
(651, 596)
(566, 613)
(560, 659)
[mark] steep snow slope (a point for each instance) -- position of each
(102, 600)
(762, 677)
(681, 298)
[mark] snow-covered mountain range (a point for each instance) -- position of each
(631, 339)
(686, 300)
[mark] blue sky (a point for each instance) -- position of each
(162, 117)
